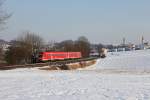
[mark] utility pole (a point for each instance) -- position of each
(124, 41)
(142, 40)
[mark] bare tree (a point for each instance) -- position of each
(83, 45)
(3, 15)
(16, 54)
(67, 45)
(80, 45)
(0, 53)
(25, 48)
(31, 39)
(83, 39)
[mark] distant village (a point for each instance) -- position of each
(120, 48)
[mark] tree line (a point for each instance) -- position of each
(27, 46)
(80, 45)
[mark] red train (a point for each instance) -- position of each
(47, 56)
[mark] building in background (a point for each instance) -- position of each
(4, 45)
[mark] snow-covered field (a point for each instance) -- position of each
(139, 60)
(120, 76)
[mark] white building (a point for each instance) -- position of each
(4, 45)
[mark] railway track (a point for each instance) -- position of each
(47, 63)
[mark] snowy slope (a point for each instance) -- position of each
(136, 60)
(93, 83)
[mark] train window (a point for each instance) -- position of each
(56, 55)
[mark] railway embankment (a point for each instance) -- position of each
(57, 65)
(70, 66)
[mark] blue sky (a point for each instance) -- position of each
(101, 21)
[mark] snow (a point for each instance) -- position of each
(75, 85)
(113, 78)
(135, 60)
